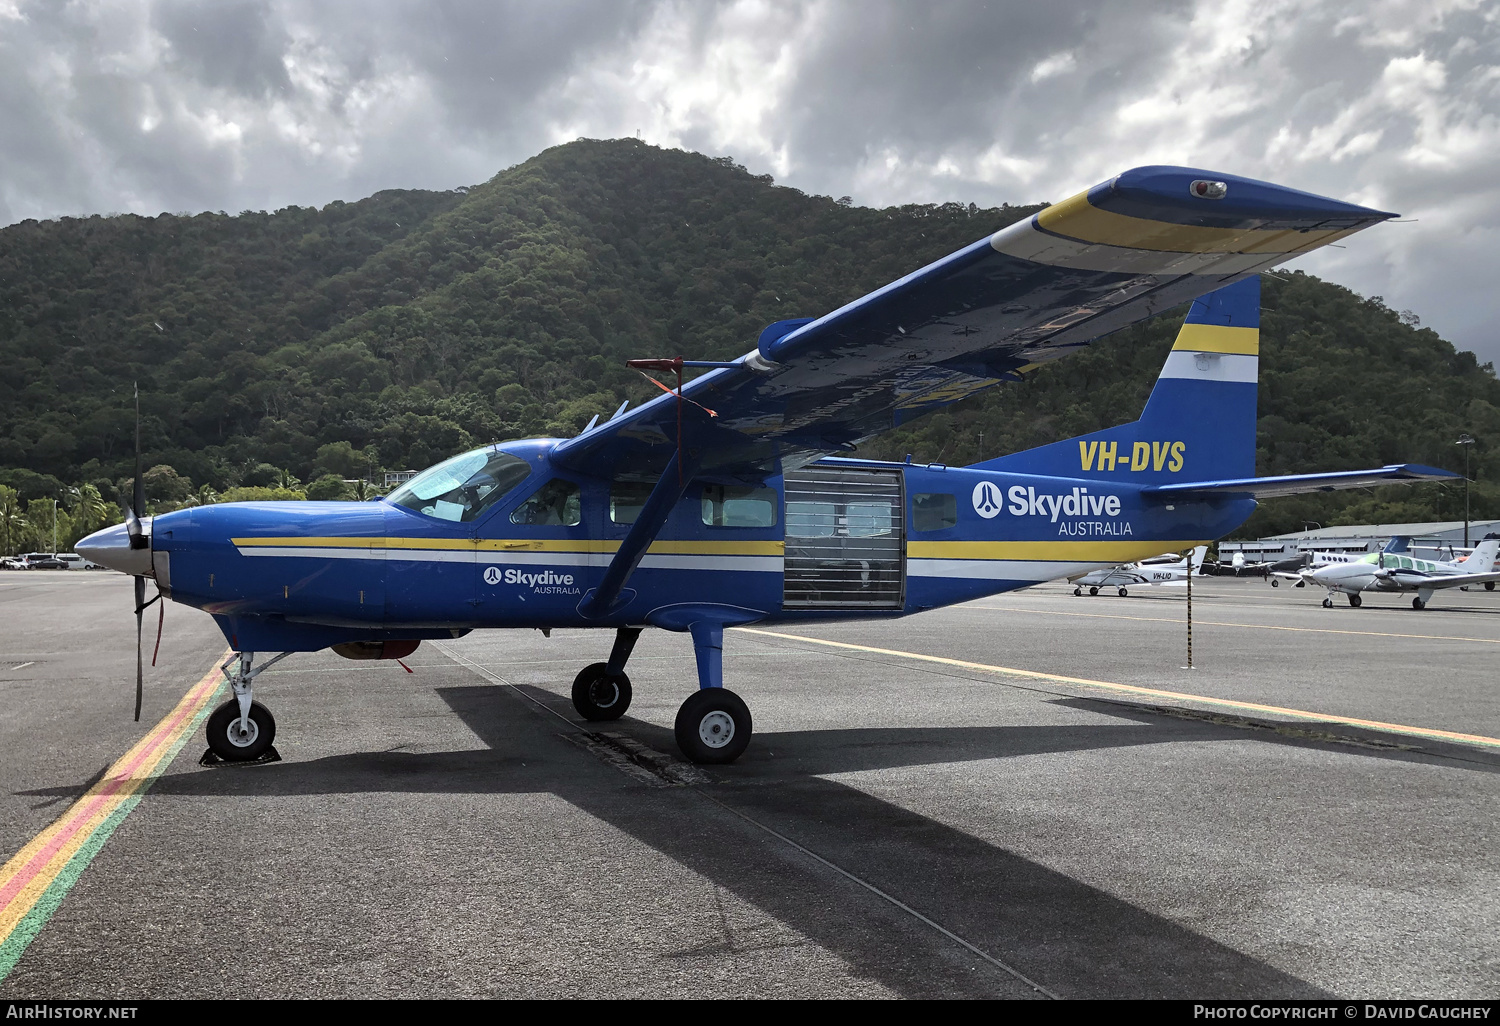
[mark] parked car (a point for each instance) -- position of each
(49, 563)
(76, 562)
(31, 559)
(13, 563)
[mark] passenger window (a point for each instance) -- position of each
(811, 519)
(626, 499)
(869, 519)
(554, 504)
(933, 511)
(737, 506)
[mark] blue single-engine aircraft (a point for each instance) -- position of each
(726, 503)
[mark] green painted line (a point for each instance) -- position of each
(52, 898)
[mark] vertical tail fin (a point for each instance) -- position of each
(1198, 424)
(1483, 559)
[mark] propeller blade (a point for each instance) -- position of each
(140, 609)
(138, 497)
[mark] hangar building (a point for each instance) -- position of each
(1432, 540)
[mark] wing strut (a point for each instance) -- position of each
(669, 490)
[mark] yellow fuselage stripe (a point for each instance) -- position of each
(660, 548)
(1218, 338)
(1046, 551)
(1077, 218)
(1274, 710)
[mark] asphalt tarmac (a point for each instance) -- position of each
(901, 826)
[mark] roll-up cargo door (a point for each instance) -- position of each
(845, 539)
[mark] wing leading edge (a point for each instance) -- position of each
(1123, 251)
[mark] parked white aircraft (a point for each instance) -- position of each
(1396, 571)
(1169, 568)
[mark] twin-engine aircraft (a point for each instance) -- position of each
(1393, 570)
(727, 502)
(1166, 569)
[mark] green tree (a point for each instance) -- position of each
(329, 487)
(12, 521)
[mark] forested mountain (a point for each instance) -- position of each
(387, 333)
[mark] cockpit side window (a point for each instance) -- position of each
(461, 488)
(555, 504)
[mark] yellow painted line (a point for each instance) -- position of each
(569, 545)
(35, 880)
(1130, 689)
(1077, 218)
(1249, 626)
(1218, 338)
(1046, 551)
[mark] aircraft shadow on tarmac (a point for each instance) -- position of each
(1073, 938)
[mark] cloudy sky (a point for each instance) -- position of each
(226, 105)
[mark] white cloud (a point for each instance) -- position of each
(175, 105)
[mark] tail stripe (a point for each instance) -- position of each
(1218, 338)
(1211, 366)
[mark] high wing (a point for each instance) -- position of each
(1299, 484)
(1128, 249)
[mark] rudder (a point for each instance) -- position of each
(1199, 422)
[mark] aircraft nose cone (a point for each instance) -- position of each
(111, 547)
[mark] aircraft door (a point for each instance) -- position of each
(845, 539)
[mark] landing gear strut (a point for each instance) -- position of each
(713, 726)
(601, 691)
(241, 730)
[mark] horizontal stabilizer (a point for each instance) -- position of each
(1300, 484)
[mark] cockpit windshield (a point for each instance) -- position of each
(461, 488)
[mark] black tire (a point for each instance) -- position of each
(1328, 603)
(1417, 603)
(1356, 601)
(1093, 591)
(1489, 585)
(1275, 583)
(599, 695)
(1123, 593)
(1077, 591)
(226, 741)
(703, 721)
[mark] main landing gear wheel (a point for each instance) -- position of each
(1417, 603)
(1356, 601)
(1093, 591)
(1328, 603)
(232, 744)
(1489, 585)
(1275, 583)
(600, 695)
(713, 726)
(1123, 593)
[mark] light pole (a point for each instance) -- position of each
(1467, 443)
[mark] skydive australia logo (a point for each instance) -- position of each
(1024, 501)
(545, 582)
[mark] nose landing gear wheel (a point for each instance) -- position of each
(1078, 591)
(713, 726)
(600, 695)
(232, 744)
(1328, 603)
(1275, 583)
(1123, 593)
(1356, 601)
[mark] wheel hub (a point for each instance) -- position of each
(242, 739)
(604, 692)
(716, 729)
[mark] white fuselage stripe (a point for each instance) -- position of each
(751, 564)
